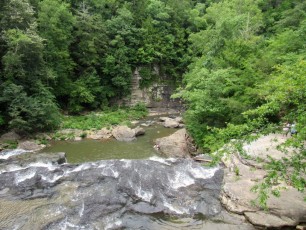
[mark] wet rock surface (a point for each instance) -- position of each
(42, 193)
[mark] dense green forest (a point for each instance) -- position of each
(79, 55)
(240, 64)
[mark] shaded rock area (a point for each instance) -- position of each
(176, 145)
(139, 131)
(242, 174)
(112, 194)
(157, 95)
(160, 111)
(8, 139)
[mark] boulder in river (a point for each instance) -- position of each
(123, 133)
(179, 119)
(171, 123)
(139, 131)
(174, 145)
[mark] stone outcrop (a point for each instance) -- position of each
(240, 175)
(174, 145)
(103, 133)
(123, 133)
(157, 95)
(30, 145)
(20, 158)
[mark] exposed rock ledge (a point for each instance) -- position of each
(287, 210)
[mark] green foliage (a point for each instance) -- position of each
(221, 78)
(28, 105)
(105, 119)
(9, 144)
(248, 76)
(85, 91)
(147, 76)
(55, 24)
(37, 112)
(84, 51)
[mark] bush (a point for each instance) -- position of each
(30, 114)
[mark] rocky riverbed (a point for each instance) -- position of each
(39, 191)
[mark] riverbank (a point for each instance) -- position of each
(76, 127)
(94, 125)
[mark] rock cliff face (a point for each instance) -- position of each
(157, 95)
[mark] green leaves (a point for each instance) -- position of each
(37, 112)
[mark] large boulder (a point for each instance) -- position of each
(174, 145)
(240, 175)
(30, 145)
(123, 133)
(171, 123)
(22, 158)
(104, 133)
(10, 136)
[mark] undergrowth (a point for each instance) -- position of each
(98, 120)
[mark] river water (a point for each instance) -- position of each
(110, 185)
(93, 150)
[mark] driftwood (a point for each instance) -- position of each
(202, 159)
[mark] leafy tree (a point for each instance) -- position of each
(55, 24)
(218, 83)
(28, 104)
(118, 59)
